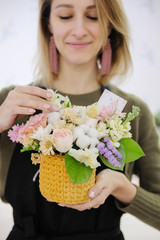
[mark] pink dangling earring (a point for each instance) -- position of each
(106, 59)
(53, 56)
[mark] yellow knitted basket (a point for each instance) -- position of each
(55, 184)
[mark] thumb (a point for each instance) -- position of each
(96, 189)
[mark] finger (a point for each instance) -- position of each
(23, 111)
(22, 96)
(101, 182)
(100, 199)
(35, 102)
(94, 203)
(96, 189)
(33, 90)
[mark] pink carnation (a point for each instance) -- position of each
(19, 133)
(32, 124)
(62, 139)
(14, 133)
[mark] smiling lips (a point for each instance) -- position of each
(78, 45)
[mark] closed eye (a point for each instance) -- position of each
(92, 18)
(65, 17)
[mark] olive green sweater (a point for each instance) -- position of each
(146, 205)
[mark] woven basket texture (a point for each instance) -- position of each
(55, 184)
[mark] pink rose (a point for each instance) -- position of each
(62, 139)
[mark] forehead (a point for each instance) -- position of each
(73, 3)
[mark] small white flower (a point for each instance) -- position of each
(87, 156)
(53, 117)
(83, 141)
(59, 100)
(118, 130)
(41, 132)
(115, 144)
(101, 127)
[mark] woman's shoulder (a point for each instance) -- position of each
(127, 96)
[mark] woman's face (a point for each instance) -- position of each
(76, 30)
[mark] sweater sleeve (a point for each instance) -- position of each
(4, 153)
(146, 205)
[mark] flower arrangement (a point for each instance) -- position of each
(85, 136)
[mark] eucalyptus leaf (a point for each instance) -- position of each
(78, 172)
(132, 149)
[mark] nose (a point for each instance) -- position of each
(79, 29)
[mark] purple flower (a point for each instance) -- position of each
(101, 145)
(109, 145)
(117, 153)
(106, 155)
(106, 150)
(110, 153)
(101, 150)
(106, 139)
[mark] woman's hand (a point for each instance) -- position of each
(108, 182)
(23, 100)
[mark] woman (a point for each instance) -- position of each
(73, 37)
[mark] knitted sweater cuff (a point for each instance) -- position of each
(143, 208)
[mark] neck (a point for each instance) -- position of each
(77, 79)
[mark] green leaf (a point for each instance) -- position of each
(30, 148)
(24, 149)
(132, 149)
(36, 146)
(78, 172)
(68, 105)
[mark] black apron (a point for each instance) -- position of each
(37, 219)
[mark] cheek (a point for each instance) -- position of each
(96, 32)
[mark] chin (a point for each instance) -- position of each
(78, 61)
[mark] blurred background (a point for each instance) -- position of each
(18, 44)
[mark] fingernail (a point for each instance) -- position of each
(49, 94)
(91, 194)
(31, 110)
(46, 106)
(61, 205)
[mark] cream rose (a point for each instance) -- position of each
(62, 139)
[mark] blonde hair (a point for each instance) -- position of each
(109, 11)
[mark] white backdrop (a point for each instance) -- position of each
(18, 42)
